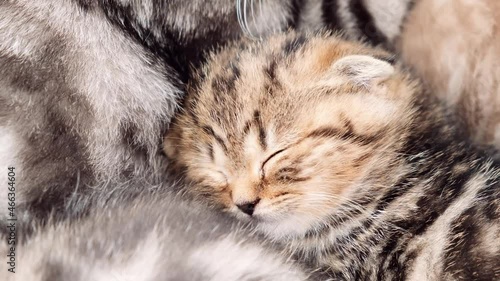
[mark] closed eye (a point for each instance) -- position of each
(286, 174)
(290, 174)
(223, 175)
(267, 160)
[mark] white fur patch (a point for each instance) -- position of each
(140, 266)
(231, 260)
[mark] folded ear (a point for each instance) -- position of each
(363, 70)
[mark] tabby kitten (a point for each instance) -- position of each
(330, 148)
(87, 88)
(149, 239)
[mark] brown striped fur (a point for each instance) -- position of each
(332, 149)
(296, 104)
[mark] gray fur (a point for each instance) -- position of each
(149, 239)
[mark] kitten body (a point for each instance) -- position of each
(331, 149)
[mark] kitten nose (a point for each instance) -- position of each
(248, 208)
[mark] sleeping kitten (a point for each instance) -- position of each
(332, 149)
(148, 239)
(87, 88)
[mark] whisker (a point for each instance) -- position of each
(245, 18)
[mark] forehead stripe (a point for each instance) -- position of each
(260, 126)
(208, 130)
(349, 135)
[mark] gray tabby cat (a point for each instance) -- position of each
(149, 239)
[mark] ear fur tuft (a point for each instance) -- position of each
(363, 70)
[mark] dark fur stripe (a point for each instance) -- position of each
(270, 71)
(211, 151)
(296, 9)
(348, 135)
(219, 139)
(86, 5)
(294, 44)
(330, 15)
(466, 231)
(366, 23)
(260, 127)
(490, 195)
(168, 49)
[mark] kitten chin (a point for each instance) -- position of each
(285, 228)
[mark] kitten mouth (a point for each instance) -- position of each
(261, 215)
(257, 218)
(263, 221)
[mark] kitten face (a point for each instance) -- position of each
(287, 131)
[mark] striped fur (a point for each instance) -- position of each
(451, 44)
(330, 148)
(88, 87)
(165, 238)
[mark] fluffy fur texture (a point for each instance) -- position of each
(149, 239)
(332, 149)
(452, 45)
(88, 87)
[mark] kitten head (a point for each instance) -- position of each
(285, 131)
